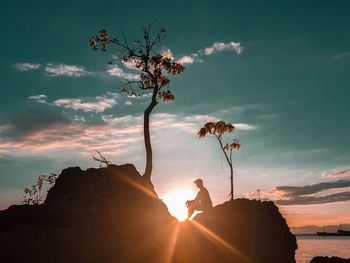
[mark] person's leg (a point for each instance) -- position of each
(190, 208)
(190, 211)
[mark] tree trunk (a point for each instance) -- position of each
(229, 161)
(147, 139)
(231, 169)
(232, 194)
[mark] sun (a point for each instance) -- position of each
(175, 201)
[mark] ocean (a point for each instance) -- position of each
(311, 246)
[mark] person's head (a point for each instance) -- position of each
(199, 183)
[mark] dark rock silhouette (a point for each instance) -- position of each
(112, 215)
(329, 260)
(256, 232)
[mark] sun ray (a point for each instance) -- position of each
(220, 241)
(169, 250)
(140, 186)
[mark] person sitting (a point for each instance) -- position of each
(202, 201)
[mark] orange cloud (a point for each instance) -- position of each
(74, 137)
(117, 136)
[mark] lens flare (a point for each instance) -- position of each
(175, 201)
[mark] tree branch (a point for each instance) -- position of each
(222, 148)
(104, 162)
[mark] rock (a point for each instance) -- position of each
(238, 231)
(113, 215)
(98, 215)
(329, 260)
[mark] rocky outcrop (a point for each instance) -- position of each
(239, 231)
(98, 215)
(112, 215)
(329, 260)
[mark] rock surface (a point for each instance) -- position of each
(112, 215)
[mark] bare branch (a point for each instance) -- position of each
(104, 162)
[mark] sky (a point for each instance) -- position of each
(277, 70)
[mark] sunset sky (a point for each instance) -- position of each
(278, 71)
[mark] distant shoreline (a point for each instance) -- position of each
(312, 229)
(325, 237)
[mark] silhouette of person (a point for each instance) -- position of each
(202, 201)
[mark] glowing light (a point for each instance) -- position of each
(175, 201)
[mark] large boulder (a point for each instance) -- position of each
(113, 215)
(99, 215)
(238, 231)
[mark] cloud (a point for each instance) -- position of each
(114, 95)
(190, 123)
(73, 137)
(113, 135)
(167, 54)
(78, 118)
(338, 174)
(128, 119)
(115, 70)
(54, 70)
(215, 48)
(291, 191)
(131, 64)
(309, 194)
(5, 127)
(34, 117)
(342, 55)
(95, 104)
(220, 46)
(39, 98)
(310, 200)
(244, 126)
(141, 97)
(185, 60)
(99, 104)
(201, 119)
(26, 66)
(44, 131)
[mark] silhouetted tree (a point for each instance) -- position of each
(153, 68)
(32, 194)
(218, 129)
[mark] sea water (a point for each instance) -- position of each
(312, 246)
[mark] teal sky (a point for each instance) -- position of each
(287, 91)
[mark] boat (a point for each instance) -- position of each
(340, 232)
